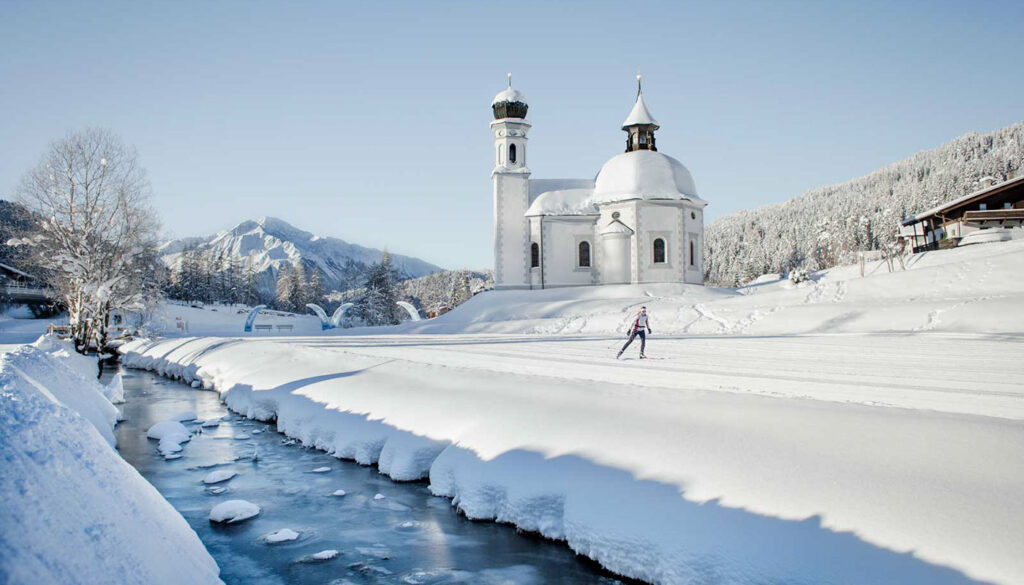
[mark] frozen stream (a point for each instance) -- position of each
(405, 535)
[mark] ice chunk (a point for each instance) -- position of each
(171, 435)
(379, 496)
(324, 555)
(219, 475)
(217, 490)
(283, 535)
(168, 428)
(233, 511)
(321, 470)
(338, 493)
(377, 551)
(211, 423)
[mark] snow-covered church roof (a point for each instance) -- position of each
(644, 174)
(639, 114)
(509, 94)
(563, 202)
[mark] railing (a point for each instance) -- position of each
(25, 292)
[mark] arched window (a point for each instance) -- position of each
(583, 256)
(534, 255)
(692, 259)
(512, 153)
(659, 251)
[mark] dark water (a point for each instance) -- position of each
(423, 539)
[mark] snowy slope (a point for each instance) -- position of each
(266, 243)
(73, 510)
(973, 289)
(851, 430)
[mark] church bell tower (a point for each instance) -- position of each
(511, 179)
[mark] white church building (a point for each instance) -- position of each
(638, 221)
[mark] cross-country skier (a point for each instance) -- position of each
(640, 323)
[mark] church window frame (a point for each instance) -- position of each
(534, 255)
(584, 254)
(693, 256)
(659, 251)
(512, 158)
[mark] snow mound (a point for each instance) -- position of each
(171, 435)
(283, 535)
(233, 511)
(321, 470)
(114, 390)
(338, 493)
(219, 475)
(73, 510)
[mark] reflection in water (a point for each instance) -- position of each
(406, 536)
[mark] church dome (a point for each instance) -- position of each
(643, 174)
(509, 103)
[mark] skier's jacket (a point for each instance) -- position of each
(641, 322)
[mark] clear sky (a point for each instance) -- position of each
(368, 121)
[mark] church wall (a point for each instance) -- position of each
(627, 215)
(561, 238)
(511, 237)
(694, 232)
(660, 220)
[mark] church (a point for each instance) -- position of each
(638, 221)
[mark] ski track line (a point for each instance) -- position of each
(630, 378)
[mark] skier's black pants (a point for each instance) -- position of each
(632, 336)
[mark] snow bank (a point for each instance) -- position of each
(74, 511)
(662, 481)
(67, 377)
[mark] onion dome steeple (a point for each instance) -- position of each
(640, 124)
(509, 103)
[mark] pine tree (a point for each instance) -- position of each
(285, 285)
(378, 305)
(299, 290)
(315, 289)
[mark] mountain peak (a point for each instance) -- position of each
(266, 243)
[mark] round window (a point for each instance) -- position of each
(615, 215)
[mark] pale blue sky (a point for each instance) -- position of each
(369, 121)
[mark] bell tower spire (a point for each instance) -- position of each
(511, 178)
(640, 124)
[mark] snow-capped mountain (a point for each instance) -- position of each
(267, 243)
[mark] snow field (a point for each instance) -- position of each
(659, 472)
(974, 289)
(74, 511)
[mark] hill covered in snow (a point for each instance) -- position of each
(827, 226)
(264, 245)
(970, 289)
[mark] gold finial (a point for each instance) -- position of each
(639, 79)
(510, 80)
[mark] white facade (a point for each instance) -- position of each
(638, 221)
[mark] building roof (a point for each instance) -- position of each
(639, 114)
(644, 174)
(563, 202)
(8, 268)
(966, 200)
(509, 94)
(616, 227)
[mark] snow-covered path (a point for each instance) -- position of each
(828, 458)
(966, 374)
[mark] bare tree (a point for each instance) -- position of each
(97, 235)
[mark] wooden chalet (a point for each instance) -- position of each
(993, 206)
